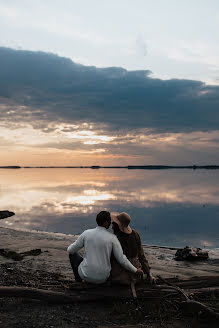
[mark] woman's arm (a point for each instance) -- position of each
(141, 255)
(144, 262)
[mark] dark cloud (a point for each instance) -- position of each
(50, 87)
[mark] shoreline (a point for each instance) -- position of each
(129, 167)
(50, 270)
(54, 256)
(61, 234)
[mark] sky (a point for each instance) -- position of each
(109, 82)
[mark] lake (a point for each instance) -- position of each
(168, 207)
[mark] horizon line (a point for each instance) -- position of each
(209, 166)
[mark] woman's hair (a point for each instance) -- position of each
(116, 228)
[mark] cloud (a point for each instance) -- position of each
(141, 44)
(39, 87)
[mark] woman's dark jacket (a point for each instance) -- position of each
(132, 248)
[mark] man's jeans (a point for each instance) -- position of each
(75, 260)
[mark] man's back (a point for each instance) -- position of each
(98, 245)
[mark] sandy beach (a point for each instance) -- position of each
(51, 268)
(54, 257)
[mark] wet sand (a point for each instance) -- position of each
(54, 257)
(51, 269)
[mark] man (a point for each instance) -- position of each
(98, 245)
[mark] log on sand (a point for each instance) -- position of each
(194, 307)
(78, 293)
(49, 296)
(197, 308)
(87, 295)
(198, 282)
(82, 292)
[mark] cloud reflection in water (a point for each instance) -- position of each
(167, 207)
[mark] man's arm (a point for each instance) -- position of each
(121, 258)
(77, 245)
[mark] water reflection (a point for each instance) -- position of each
(175, 207)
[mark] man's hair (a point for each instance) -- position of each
(102, 217)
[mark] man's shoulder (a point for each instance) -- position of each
(88, 231)
(107, 234)
(111, 236)
(95, 231)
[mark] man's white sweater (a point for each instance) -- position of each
(98, 245)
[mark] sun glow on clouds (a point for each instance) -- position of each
(78, 132)
(90, 137)
(194, 138)
(52, 143)
(27, 135)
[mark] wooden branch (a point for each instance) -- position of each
(84, 292)
(175, 287)
(194, 307)
(55, 297)
(97, 293)
(133, 289)
(47, 295)
(198, 282)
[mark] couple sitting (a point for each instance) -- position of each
(118, 257)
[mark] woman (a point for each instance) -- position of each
(132, 248)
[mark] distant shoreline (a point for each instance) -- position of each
(129, 167)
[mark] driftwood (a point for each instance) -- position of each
(199, 309)
(70, 296)
(193, 307)
(82, 292)
(178, 289)
(49, 296)
(133, 289)
(191, 254)
(19, 256)
(198, 282)
(78, 295)
(85, 295)
(6, 214)
(166, 292)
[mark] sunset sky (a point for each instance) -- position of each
(109, 82)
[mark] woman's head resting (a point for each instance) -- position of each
(123, 220)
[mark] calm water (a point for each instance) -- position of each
(168, 207)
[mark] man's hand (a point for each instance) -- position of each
(152, 279)
(139, 272)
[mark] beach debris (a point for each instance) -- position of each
(171, 297)
(168, 296)
(191, 254)
(133, 289)
(6, 214)
(193, 307)
(19, 256)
